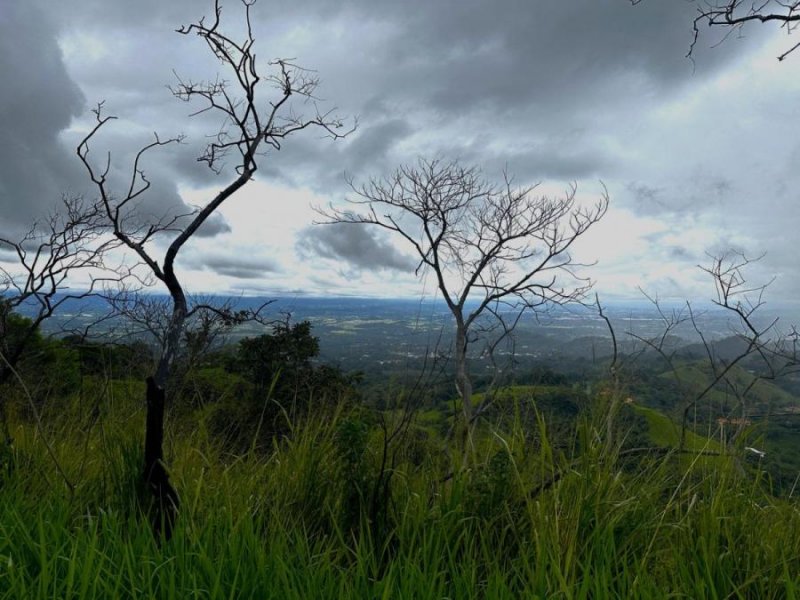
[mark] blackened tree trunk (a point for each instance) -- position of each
(166, 501)
(155, 475)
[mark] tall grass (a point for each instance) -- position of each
(524, 521)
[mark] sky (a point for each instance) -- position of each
(698, 156)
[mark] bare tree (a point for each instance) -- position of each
(256, 118)
(495, 251)
(147, 317)
(41, 261)
(613, 372)
(730, 16)
(71, 239)
(767, 352)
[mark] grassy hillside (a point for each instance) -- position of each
(334, 510)
(664, 432)
(763, 396)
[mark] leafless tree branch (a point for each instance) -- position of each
(255, 118)
(488, 246)
(731, 16)
(760, 342)
(70, 240)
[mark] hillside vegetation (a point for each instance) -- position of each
(329, 511)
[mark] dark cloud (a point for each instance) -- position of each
(323, 165)
(645, 198)
(566, 59)
(680, 253)
(486, 70)
(354, 244)
(374, 142)
(37, 160)
(544, 161)
(231, 265)
(38, 100)
(486, 73)
(548, 90)
(324, 283)
(696, 194)
(214, 226)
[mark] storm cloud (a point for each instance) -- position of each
(230, 264)
(38, 101)
(703, 151)
(354, 244)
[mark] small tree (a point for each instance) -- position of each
(754, 351)
(286, 382)
(494, 251)
(43, 258)
(286, 354)
(254, 121)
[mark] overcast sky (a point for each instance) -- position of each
(697, 156)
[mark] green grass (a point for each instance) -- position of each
(666, 433)
(519, 393)
(522, 521)
(762, 395)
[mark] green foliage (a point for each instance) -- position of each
(268, 383)
(286, 353)
(213, 385)
(53, 367)
(50, 371)
(281, 366)
(16, 330)
(48, 367)
(351, 447)
(666, 433)
(324, 505)
(131, 360)
(6, 462)
(559, 406)
(489, 488)
(274, 527)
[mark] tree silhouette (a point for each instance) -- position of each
(495, 251)
(254, 121)
(732, 15)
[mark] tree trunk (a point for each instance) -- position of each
(155, 476)
(463, 381)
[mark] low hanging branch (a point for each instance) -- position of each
(732, 15)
